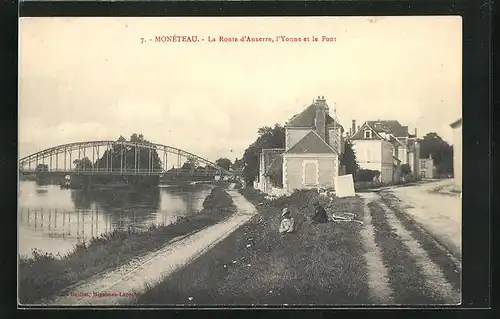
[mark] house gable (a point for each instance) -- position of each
(311, 143)
(376, 135)
(294, 134)
(360, 134)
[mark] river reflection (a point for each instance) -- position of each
(52, 219)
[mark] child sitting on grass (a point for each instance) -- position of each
(288, 223)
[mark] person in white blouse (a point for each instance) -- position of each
(288, 223)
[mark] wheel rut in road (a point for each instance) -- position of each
(416, 269)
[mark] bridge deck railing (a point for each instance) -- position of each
(128, 171)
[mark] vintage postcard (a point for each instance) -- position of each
(238, 161)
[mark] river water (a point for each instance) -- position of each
(53, 220)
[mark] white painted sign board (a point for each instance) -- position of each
(344, 186)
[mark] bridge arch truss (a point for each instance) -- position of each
(60, 158)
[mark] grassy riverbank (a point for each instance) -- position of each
(319, 263)
(44, 276)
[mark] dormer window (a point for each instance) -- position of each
(368, 134)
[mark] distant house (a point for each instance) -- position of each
(427, 167)
(385, 146)
(457, 151)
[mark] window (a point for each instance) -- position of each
(310, 173)
(368, 134)
(423, 164)
(423, 174)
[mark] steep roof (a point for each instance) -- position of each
(307, 117)
(360, 135)
(380, 134)
(311, 143)
(380, 127)
(389, 126)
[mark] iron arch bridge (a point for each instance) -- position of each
(61, 158)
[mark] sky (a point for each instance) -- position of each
(85, 79)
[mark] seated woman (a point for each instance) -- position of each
(287, 224)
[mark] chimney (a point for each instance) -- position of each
(321, 117)
(353, 128)
(415, 131)
(359, 127)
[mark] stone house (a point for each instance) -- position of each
(313, 146)
(385, 146)
(311, 158)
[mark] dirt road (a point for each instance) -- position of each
(406, 264)
(440, 214)
(121, 285)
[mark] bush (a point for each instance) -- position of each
(405, 169)
(216, 199)
(365, 175)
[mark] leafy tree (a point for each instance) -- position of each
(406, 172)
(191, 164)
(269, 137)
(113, 157)
(442, 153)
(238, 164)
(276, 176)
(223, 162)
(83, 164)
(348, 159)
(405, 169)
